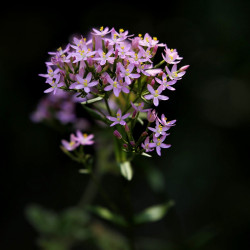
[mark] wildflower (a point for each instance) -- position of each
(72, 144)
(85, 83)
(174, 74)
(159, 129)
(101, 32)
(114, 85)
(124, 50)
(104, 57)
(84, 139)
(164, 82)
(146, 146)
(171, 56)
(158, 144)
(51, 73)
(139, 107)
(55, 85)
(155, 94)
(126, 73)
(151, 116)
(119, 119)
(164, 122)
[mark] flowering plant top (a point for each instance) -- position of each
(118, 69)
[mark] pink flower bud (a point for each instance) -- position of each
(107, 43)
(134, 114)
(117, 134)
(98, 68)
(183, 68)
(155, 49)
(132, 143)
(144, 134)
(126, 128)
(151, 115)
(90, 61)
(125, 145)
(152, 82)
(135, 43)
(116, 53)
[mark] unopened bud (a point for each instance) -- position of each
(98, 68)
(135, 43)
(117, 134)
(134, 114)
(151, 115)
(125, 145)
(144, 134)
(126, 128)
(155, 49)
(132, 143)
(116, 53)
(152, 82)
(183, 68)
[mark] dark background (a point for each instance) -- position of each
(207, 168)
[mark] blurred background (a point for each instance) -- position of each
(206, 171)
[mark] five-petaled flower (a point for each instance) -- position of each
(119, 119)
(158, 144)
(155, 94)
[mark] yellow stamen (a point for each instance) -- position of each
(101, 29)
(121, 30)
(155, 38)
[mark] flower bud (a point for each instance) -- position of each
(144, 134)
(151, 115)
(125, 145)
(132, 143)
(126, 128)
(152, 82)
(155, 49)
(183, 68)
(117, 134)
(134, 114)
(98, 68)
(135, 43)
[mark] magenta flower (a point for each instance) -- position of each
(159, 129)
(104, 57)
(127, 73)
(171, 56)
(164, 82)
(114, 85)
(146, 146)
(84, 139)
(51, 73)
(55, 85)
(72, 144)
(139, 107)
(164, 122)
(101, 32)
(151, 116)
(173, 74)
(85, 83)
(82, 54)
(155, 95)
(150, 42)
(124, 50)
(119, 119)
(158, 144)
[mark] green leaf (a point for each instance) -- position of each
(145, 154)
(97, 99)
(108, 215)
(126, 170)
(153, 213)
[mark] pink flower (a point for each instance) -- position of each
(55, 85)
(171, 56)
(114, 85)
(164, 122)
(119, 119)
(72, 144)
(84, 139)
(159, 129)
(101, 32)
(173, 74)
(85, 83)
(151, 116)
(146, 146)
(155, 95)
(158, 144)
(127, 73)
(164, 82)
(139, 107)
(104, 57)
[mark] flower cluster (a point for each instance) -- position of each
(113, 65)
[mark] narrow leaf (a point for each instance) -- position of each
(106, 214)
(153, 213)
(97, 99)
(126, 170)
